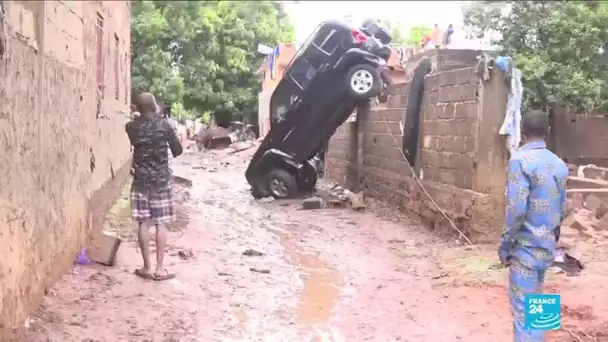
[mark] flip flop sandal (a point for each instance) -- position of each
(142, 274)
(165, 276)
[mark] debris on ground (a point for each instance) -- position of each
(266, 199)
(240, 146)
(185, 254)
(182, 180)
(104, 247)
(259, 270)
(567, 263)
(356, 200)
(312, 203)
(82, 258)
(252, 252)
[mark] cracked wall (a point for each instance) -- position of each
(63, 161)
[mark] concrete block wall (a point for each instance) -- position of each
(63, 145)
(581, 138)
(459, 148)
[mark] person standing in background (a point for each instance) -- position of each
(151, 193)
(536, 205)
(447, 36)
(436, 36)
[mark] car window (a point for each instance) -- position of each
(302, 73)
(327, 40)
(304, 46)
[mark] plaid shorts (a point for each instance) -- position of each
(152, 204)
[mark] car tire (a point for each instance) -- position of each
(281, 184)
(307, 180)
(259, 190)
(363, 82)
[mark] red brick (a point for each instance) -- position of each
(432, 96)
(396, 101)
(430, 142)
(469, 92)
(585, 183)
(399, 88)
(397, 114)
(467, 110)
(464, 180)
(447, 177)
(601, 211)
(459, 144)
(431, 82)
(445, 111)
(592, 203)
(104, 248)
(460, 162)
(575, 202)
(594, 172)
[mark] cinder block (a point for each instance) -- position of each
(104, 248)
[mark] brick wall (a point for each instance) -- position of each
(449, 124)
(65, 153)
(581, 139)
(461, 160)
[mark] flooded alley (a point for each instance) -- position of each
(250, 271)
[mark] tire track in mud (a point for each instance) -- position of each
(314, 286)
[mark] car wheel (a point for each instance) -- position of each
(281, 184)
(307, 179)
(364, 82)
(259, 190)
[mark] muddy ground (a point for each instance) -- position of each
(324, 275)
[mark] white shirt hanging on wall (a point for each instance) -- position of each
(511, 126)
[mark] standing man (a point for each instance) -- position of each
(151, 197)
(536, 206)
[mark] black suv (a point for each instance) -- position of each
(338, 67)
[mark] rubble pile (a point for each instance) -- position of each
(587, 204)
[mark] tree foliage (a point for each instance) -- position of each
(559, 46)
(398, 37)
(202, 54)
(417, 33)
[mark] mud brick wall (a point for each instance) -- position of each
(581, 139)
(449, 125)
(65, 154)
(461, 159)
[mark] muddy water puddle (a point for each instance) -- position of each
(322, 284)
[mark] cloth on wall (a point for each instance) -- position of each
(273, 61)
(511, 125)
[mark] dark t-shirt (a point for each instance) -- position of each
(150, 136)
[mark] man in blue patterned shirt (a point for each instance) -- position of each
(536, 206)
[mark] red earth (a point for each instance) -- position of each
(325, 275)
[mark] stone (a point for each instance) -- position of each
(581, 223)
(575, 202)
(601, 211)
(356, 200)
(312, 203)
(104, 248)
(266, 199)
(592, 203)
(602, 224)
(252, 252)
(181, 180)
(240, 146)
